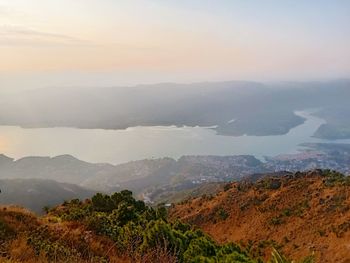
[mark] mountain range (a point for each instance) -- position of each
(231, 108)
(159, 180)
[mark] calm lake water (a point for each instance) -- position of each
(117, 146)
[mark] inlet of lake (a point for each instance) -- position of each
(118, 146)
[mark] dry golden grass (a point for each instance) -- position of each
(20, 251)
(19, 218)
(303, 216)
(73, 234)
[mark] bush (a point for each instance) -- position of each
(333, 178)
(276, 221)
(141, 233)
(227, 187)
(223, 214)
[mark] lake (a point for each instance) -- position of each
(118, 146)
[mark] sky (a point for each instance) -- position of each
(46, 43)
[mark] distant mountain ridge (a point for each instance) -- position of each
(160, 179)
(63, 168)
(152, 179)
(134, 175)
(257, 108)
(35, 194)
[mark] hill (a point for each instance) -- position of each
(170, 194)
(35, 194)
(63, 168)
(158, 176)
(184, 173)
(114, 228)
(300, 213)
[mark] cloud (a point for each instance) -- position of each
(13, 36)
(23, 36)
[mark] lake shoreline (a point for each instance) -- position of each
(138, 143)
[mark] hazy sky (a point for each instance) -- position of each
(116, 42)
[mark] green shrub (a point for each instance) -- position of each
(333, 178)
(223, 214)
(139, 231)
(276, 221)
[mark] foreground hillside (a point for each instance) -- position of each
(299, 213)
(114, 228)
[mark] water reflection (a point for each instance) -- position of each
(117, 146)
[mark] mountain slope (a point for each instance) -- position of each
(301, 213)
(114, 228)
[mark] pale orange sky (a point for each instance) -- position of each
(112, 42)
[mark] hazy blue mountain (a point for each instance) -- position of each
(34, 194)
(169, 174)
(138, 176)
(64, 168)
(256, 108)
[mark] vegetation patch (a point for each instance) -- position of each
(275, 221)
(341, 229)
(139, 231)
(337, 202)
(333, 178)
(269, 183)
(223, 215)
(6, 232)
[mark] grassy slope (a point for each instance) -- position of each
(301, 213)
(72, 239)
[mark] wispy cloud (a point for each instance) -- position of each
(11, 35)
(23, 36)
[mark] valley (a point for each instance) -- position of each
(164, 180)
